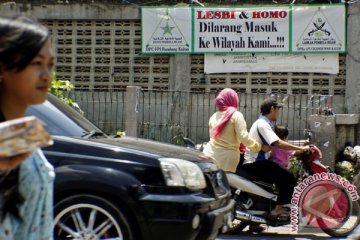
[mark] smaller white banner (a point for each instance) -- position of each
(319, 29)
(278, 62)
(166, 30)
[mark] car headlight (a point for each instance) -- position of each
(178, 172)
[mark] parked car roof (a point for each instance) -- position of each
(62, 120)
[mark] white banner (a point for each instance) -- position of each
(245, 29)
(166, 30)
(317, 63)
(318, 28)
(255, 29)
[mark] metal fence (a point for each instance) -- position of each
(168, 116)
(104, 109)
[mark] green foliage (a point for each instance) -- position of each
(344, 171)
(120, 133)
(178, 140)
(294, 166)
(60, 89)
(177, 135)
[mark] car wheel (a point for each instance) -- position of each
(90, 217)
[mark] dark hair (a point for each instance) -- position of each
(21, 39)
(281, 131)
(267, 104)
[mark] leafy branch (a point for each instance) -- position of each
(61, 89)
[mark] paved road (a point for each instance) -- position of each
(281, 233)
(273, 236)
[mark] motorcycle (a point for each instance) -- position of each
(255, 200)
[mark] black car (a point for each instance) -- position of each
(129, 188)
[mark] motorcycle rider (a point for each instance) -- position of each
(228, 129)
(258, 163)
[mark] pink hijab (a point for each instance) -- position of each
(227, 101)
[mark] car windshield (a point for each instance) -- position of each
(62, 120)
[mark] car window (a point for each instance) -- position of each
(57, 122)
(74, 115)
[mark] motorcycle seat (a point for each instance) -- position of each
(253, 179)
(248, 176)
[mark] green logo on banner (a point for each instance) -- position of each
(318, 34)
(167, 29)
(167, 36)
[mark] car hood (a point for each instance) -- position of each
(161, 149)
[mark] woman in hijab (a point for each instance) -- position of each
(227, 130)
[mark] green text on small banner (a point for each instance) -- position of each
(166, 30)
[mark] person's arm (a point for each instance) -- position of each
(270, 137)
(243, 135)
(265, 148)
(287, 146)
(12, 162)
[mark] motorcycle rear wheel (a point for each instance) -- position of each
(348, 225)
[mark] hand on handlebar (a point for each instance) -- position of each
(306, 149)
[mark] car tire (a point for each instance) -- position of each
(90, 217)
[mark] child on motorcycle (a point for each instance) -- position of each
(259, 165)
(282, 156)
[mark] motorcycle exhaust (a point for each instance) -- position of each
(248, 217)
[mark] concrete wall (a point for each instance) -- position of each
(161, 111)
(99, 46)
(72, 11)
(331, 133)
(352, 93)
